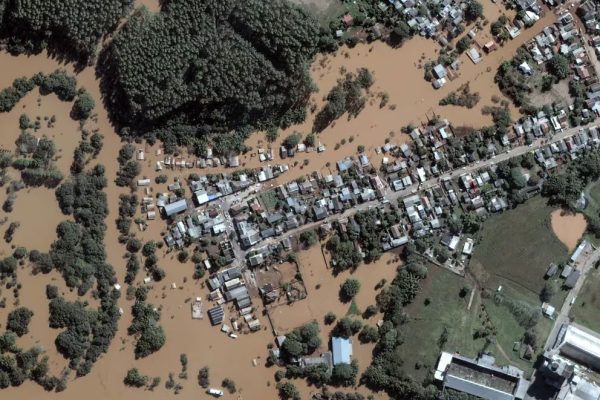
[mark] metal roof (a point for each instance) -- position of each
(475, 389)
(342, 350)
(581, 345)
(216, 315)
(175, 207)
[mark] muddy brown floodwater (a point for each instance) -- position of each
(568, 227)
(323, 297)
(396, 72)
(36, 209)
(399, 73)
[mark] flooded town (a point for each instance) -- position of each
(392, 199)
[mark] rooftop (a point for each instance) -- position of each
(342, 350)
(481, 376)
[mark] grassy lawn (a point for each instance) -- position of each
(269, 199)
(514, 252)
(322, 10)
(518, 246)
(593, 194)
(585, 310)
(509, 330)
(438, 306)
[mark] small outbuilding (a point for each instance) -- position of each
(525, 68)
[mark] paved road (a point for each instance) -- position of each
(563, 316)
(394, 196)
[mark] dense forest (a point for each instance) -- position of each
(205, 68)
(70, 28)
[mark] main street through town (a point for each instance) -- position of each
(393, 197)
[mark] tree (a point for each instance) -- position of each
(18, 320)
(203, 377)
(347, 327)
(45, 151)
(302, 341)
(496, 28)
(149, 248)
(309, 238)
(134, 378)
(24, 121)
(288, 391)
(368, 334)
(417, 268)
(310, 140)
(73, 28)
(134, 245)
(442, 254)
(245, 63)
(471, 222)
(329, 318)
(474, 10)
(59, 83)
(558, 66)
(51, 292)
(150, 341)
(548, 291)
(292, 140)
(463, 44)
(547, 82)
(271, 134)
(126, 153)
(229, 384)
(400, 33)
(365, 78)
(84, 104)
(349, 289)
(344, 374)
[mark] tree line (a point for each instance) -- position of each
(68, 28)
(79, 254)
(199, 69)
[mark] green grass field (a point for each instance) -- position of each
(518, 246)
(322, 10)
(269, 199)
(509, 330)
(585, 310)
(445, 309)
(514, 252)
(592, 192)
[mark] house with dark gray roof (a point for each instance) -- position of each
(320, 212)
